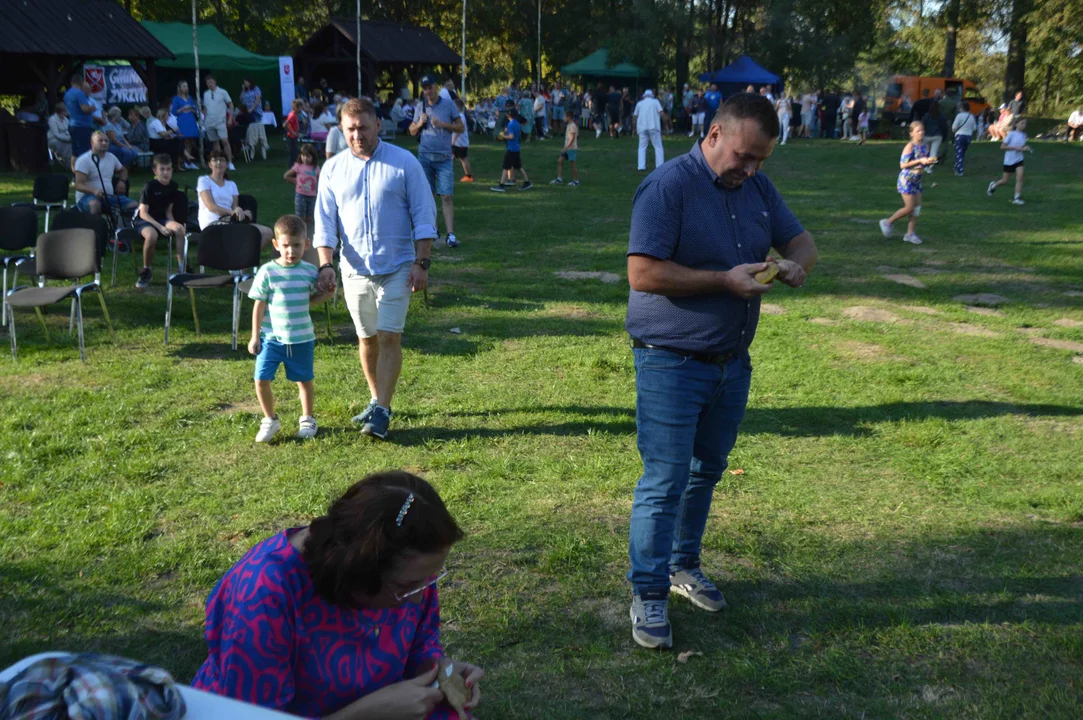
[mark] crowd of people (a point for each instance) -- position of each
(371, 563)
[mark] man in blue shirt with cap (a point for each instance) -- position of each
(702, 227)
(436, 119)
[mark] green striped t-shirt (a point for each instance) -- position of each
(287, 291)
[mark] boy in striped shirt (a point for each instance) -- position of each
(282, 330)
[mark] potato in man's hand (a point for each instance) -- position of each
(766, 275)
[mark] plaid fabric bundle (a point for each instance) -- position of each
(91, 687)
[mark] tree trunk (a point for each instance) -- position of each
(723, 38)
(1015, 71)
(952, 37)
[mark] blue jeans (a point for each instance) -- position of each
(126, 156)
(962, 142)
(439, 171)
(687, 416)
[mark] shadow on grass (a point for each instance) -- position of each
(792, 422)
(220, 350)
(56, 611)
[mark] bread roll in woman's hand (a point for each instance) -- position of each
(453, 686)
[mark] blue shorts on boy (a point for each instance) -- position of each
(287, 335)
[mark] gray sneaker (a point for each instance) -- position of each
(695, 586)
(363, 417)
(650, 620)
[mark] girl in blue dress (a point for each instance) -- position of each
(915, 158)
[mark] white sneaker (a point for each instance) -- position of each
(1018, 201)
(268, 428)
(885, 228)
(992, 186)
(912, 239)
(691, 134)
(307, 429)
(231, 167)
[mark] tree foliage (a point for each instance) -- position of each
(811, 43)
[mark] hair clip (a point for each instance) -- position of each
(404, 510)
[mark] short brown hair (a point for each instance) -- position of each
(290, 226)
(356, 107)
(163, 160)
(350, 548)
(749, 106)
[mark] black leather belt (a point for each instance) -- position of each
(719, 359)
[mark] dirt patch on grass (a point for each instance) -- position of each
(920, 309)
(772, 309)
(924, 251)
(572, 312)
(1069, 323)
(243, 406)
(1058, 344)
(903, 279)
(866, 352)
(871, 314)
(607, 277)
(823, 321)
(973, 330)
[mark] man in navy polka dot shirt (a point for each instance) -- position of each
(702, 227)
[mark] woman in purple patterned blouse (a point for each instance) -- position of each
(340, 619)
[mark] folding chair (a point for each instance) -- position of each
(50, 191)
(232, 248)
(18, 232)
(63, 255)
(132, 236)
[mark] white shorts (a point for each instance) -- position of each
(217, 132)
(377, 302)
(697, 118)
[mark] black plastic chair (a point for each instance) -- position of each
(18, 234)
(64, 255)
(233, 248)
(131, 236)
(50, 191)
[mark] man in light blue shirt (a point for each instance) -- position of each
(376, 201)
(435, 120)
(80, 114)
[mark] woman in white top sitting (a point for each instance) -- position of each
(963, 128)
(164, 140)
(59, 138)
(219, 198)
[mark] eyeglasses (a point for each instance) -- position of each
(427, 584)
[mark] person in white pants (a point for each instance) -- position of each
(647, 121)
(782, 107)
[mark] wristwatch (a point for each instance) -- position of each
(424, 263)
(325, 266)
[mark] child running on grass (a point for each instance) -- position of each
(571, 149)
(1014, 145)
(863, 126)
(513, 161)
(305, 176)
(460, 145)
(915, 158)
(282, 330)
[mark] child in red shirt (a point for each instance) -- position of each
(293, 130)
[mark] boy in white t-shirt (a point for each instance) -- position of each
(569, 152)
(460, 145)
(1014, 145)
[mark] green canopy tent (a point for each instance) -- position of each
(229, 62)
(596, 66)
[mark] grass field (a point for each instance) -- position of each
(900, 535)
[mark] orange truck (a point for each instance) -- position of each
(915, 88)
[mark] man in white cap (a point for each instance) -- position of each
(646, 120)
